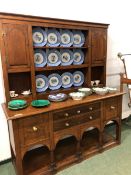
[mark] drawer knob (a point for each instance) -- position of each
(35, 128)
(67, 124)
(78, 112)
(90, 108)
(66, 114)
(90, 117)
(112, 107)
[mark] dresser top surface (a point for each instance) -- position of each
(10, 115)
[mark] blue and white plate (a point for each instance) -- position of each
(78, 56)
(40, 58)
(57, 97)
(41, 83)
(39, 37)
(54, 81)
(66, 57)
(79, 38)
(67, 80)
(78, 78)
(53, 57)
(53, 38)
(66, 38)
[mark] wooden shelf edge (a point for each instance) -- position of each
(61, 67)
(44, 170)
(66, 162)
(88, 154)
(110, 144)
(60, 47)
(18, 70)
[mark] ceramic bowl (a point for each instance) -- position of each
(111, 89)
(77, 95)
(17, 103)
(100, 91)
(40, 103)
(87, 91)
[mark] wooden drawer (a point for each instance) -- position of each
(111, 108)
(33, 129)
(75, 120)
(90, 116)
(64, 124)
(68, 113)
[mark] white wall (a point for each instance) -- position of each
(116, 13)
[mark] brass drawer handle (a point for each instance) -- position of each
(67, 124)
(78, 112)
(112, 107)
(90, 117)
(90, 108)
(66, 114)
(35, 128)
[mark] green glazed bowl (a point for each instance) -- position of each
(40, 103)
(17, 103)
(17, 108)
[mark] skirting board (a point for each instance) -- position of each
(5, 161)
(126, 114)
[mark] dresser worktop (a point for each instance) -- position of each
(10, 115)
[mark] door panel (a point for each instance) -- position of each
(16, 45)
(99, 40)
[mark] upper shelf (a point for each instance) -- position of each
(59, 47)
(61, 67)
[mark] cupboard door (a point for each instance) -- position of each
(99, 40)
(16, 45)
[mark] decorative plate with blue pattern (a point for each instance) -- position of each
(66, 57)
(67, 80)
(79, 38)
(66, 38)
(41, 83)
(39, 37)
(40, 58)
(78, 56)
(53, 38)
(53, 57)
(78, 78)
(54, 81)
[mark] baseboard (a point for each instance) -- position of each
(126, 114)
(5, 161)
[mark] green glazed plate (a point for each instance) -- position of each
(17, 108)
(40, 103)
(17, 103)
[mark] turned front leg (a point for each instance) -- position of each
(78, 151)
(52, 162)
